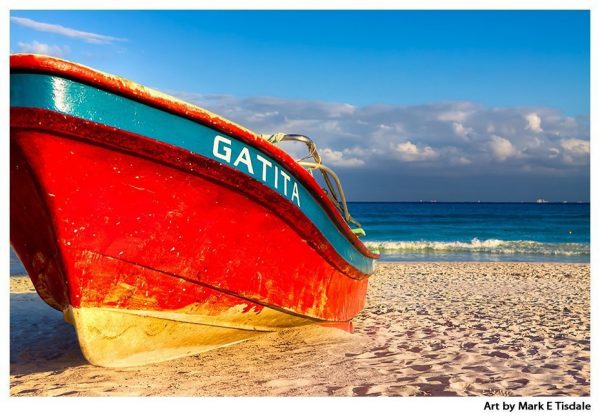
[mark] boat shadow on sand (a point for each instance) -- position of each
(40, 340)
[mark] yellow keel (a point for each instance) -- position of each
(123, 338)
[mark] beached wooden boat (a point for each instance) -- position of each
(163, 230)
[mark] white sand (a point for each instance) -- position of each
(510, 329)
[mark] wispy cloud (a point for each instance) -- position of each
(43, 48)
(88, 37)
(436, 138)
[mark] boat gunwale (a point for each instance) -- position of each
(30, 63)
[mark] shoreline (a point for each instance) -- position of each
(398, 262)
(428, 329)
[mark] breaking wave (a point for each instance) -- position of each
(491, 246)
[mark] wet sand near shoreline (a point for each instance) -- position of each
(429, 329)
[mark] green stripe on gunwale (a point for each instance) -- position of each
(70, 97)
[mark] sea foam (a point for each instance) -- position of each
(491, 246)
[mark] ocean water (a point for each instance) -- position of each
(16, 267)
(548, 232)
(414, 231)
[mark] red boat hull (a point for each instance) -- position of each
(154, 252)
(111, 229)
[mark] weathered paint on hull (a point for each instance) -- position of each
(212, 275)
(204, 233)
(153, 251)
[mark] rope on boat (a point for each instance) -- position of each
(335, 194)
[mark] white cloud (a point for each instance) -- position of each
(534, 122)
(65, 31)
(457, 112)
(576, 146)
(43, 48)
(263, 116)
(576, 152)
(502, 148)
(386, 136)
(410, 152)
(338, 158)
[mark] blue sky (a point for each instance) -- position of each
(497, 100)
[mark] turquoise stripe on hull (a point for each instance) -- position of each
(87, 102)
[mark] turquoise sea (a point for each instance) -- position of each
(426, 231)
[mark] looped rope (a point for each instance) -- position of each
(338, 198)
(273, 138)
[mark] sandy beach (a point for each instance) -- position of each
(429, 329)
